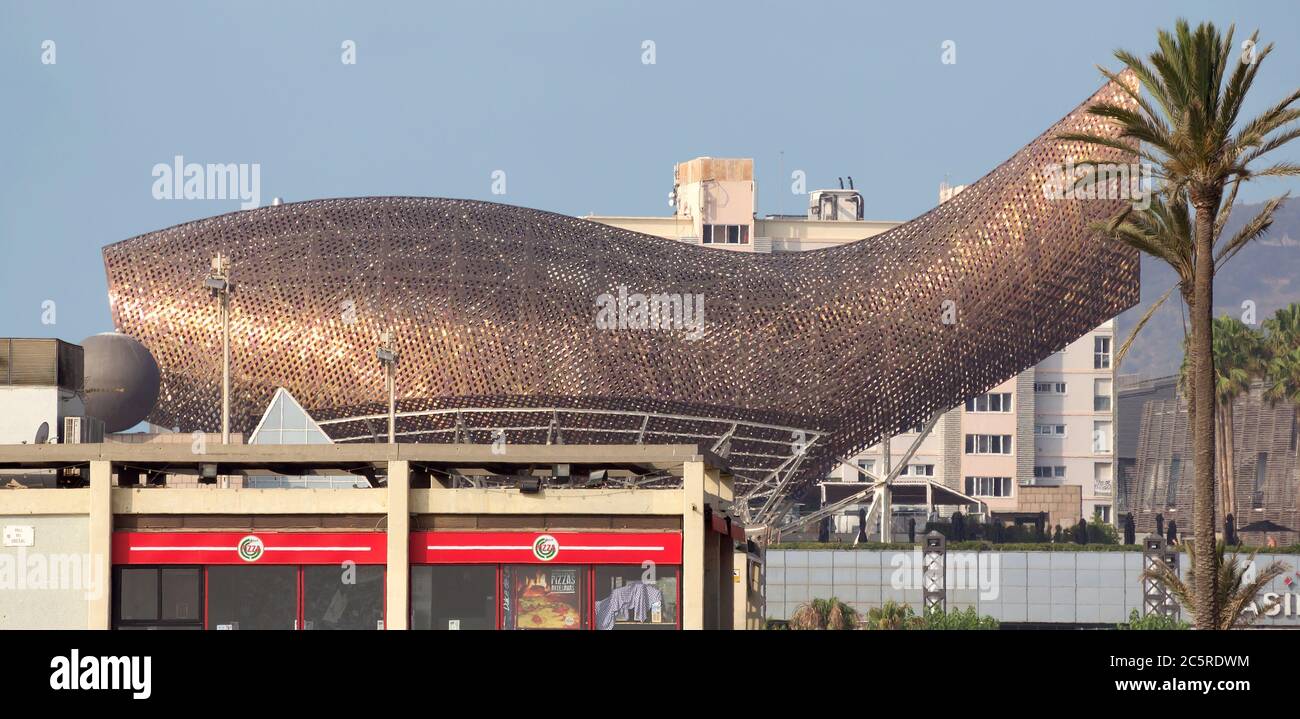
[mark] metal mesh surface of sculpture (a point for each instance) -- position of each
(803, 358)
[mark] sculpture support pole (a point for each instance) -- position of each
(886, 508)
(392, 406)
(225, 368)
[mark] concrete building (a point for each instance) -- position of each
(1048, 427)
(40, 387)
(444, 537)
(1263, 495)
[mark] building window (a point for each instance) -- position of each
(988, 444)
(1049, 430)
(158, 598)
(1102, 483)
(454, 596)
(988, 486)
(264, 597)
(334, 598)
(1104, 511)
(1101, 395)
(867, 464)
(1049, 472)
(1101, 353)
(1101, 437)
(1049, 387)
(918, 470)
(725, 235)
(636, 598)
(992, 402)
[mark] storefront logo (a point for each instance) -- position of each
(250, 548)
(545, 547)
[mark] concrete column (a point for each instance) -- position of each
(99, 608)
(399, 545)
(740, 599)
(693, 590)
(726, 582)
(712, 581)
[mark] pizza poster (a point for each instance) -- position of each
(545, 597)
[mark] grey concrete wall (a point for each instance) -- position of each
(48, 585)
(1057, 587)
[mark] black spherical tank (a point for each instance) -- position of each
(121, 379)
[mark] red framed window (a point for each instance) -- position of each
(538, 580)
(249, 580)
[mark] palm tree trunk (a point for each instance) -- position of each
(1202, 399)
(1229, 458)
(1219, 455)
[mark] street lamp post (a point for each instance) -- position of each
(388, 358)
(219, 285)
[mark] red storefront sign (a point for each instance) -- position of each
(249, 547)
(546, 547)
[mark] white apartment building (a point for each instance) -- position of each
(1049, 426)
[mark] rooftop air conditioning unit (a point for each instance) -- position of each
(82, 430)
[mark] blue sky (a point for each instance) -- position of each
(554, 94)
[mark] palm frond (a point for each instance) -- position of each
(1122, 352)
(1257, 227)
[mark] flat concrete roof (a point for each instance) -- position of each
(249, 456)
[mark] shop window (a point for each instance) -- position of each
(253, 597)
(158, 598)
(138, 598)
(536, 597)
(343, 597)
(454, 597)
(636, 597)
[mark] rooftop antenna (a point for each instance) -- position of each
(780, 201)
(841, 179)
(850, 182)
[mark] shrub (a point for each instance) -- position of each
(1101, 532)
(894, 616)
(1152, 621)
(964, 619)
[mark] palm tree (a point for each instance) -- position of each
(1200, 153)
(1283, 371)
(824, 614)
(890, 616)
(1234, 593)
(1239, 357)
